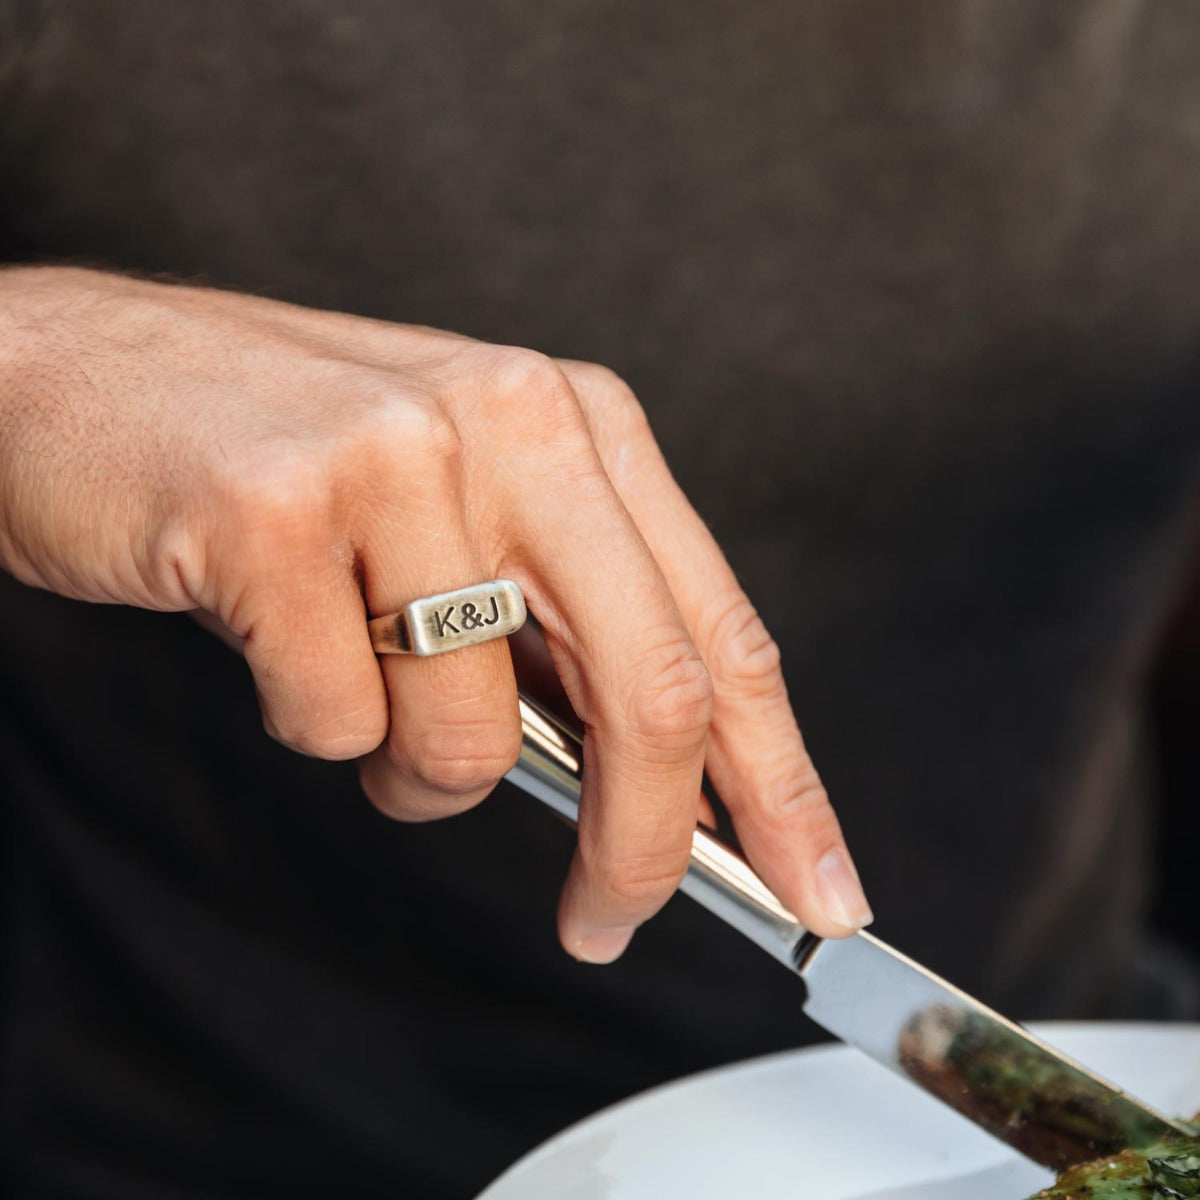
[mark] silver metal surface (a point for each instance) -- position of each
(983, 1065)
(451, 620)
(992, 1071)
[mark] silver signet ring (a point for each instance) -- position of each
(451, 620)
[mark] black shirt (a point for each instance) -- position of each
(909, 293)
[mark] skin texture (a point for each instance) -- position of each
(289, 472)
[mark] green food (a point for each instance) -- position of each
(1165, 1171)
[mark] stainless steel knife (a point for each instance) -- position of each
(995, 1073)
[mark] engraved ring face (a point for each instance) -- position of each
(451, 620)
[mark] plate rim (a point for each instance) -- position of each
(782, 1058)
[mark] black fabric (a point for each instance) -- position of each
(909, 294)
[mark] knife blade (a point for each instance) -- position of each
(986, 1067)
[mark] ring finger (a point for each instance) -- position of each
(454, 724)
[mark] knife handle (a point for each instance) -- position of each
(551, 769)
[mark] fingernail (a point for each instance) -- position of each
(603, 945)
(840, 892)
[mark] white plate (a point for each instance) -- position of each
(827, 1124)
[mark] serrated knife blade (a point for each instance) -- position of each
(989, 1069)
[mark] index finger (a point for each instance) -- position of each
(757, 759)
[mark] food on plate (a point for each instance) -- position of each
(1165, 1171)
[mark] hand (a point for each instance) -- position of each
(291, 471)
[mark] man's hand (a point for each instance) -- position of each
(291, 472)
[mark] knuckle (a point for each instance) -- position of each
(406, 418)
(399, 421)
(742, 654)
(462, 759)
(799, 798)
(672, 700)
(514, 370)
(621, 408)
(643, 883)
(546, 429)
(278, 497)
(428, 430)
(534, 384)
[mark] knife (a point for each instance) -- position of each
(986, 1067)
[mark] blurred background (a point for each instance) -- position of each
(1174, 708)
